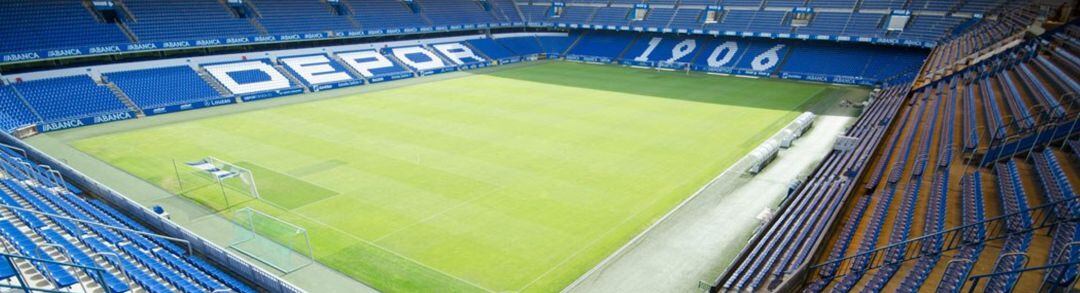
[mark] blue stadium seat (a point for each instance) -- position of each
(611, 16)
(491, 49)
(13, 111)
(555, 45)
(167, 20)
(165, 86)
(26, 246)
(687, 18)
(455, 12)
(601, 44)
(47, 24)
(656, 17)
(71, 97)
(385, 14)
(506, 10)
(164, 261)
(521, 46)
(290, 17)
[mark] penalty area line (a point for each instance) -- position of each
(395, 253)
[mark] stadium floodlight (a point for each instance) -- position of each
(233, 181)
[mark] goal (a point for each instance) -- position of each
(273, 241)
(214, 182)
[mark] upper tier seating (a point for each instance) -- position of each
(929, 27)
(290, 16)
(687, 18)
(657, 17)
(883, 4)
(747, 3)
(931, 5)
(576, 14)
(978, 37)
(388, 14)
(164, 20)
(505, 10)
(614, 16)
(535, 13)
(48, 24)
(979, 6)
(443, 12)
(832, 4)
(72, 97)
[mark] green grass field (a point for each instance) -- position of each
(517, 180)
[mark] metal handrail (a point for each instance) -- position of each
(960, 230)
(1064, 253)
(104, 255)
(997, 262)
(966, 272)
(185, 242)
(976, 278)
(64, 252)
(35, 259)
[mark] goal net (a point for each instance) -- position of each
(271, 240)
(215, 183)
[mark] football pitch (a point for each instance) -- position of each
(519, 179)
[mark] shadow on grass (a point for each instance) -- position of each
(694, 87)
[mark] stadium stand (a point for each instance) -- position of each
(1001, 96)
(491, 49)
(954, 52)
(1020, 91)
(611, 16)
(218, 83)
(456, 12)
(249, 77)
(506, 10)
(387, 69)
(14, 110)
(289, 17)
(67, 98)
(522, 46)
(418, 58)
(387, 14)
(160, 87)
(556, 46)
(137, 25)
(30, 26)
(77, 242)
(158, 20)
(318, 72)
(602, 45)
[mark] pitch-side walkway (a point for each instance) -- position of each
(697, 241)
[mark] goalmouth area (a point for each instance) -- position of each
(519, 178)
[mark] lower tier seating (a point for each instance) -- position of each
(110, 254)
(995, 218)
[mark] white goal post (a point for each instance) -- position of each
(221, 170)
(198, 178)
